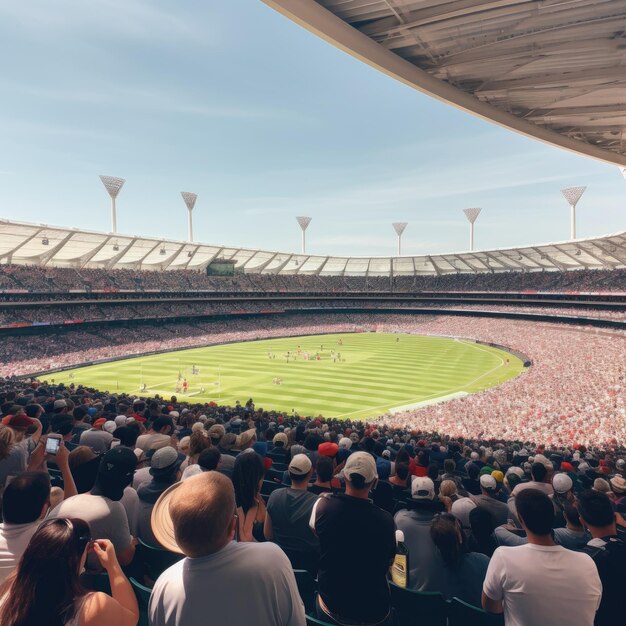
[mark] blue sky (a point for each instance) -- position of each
(264, 121)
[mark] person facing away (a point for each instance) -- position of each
(463, 572)
(45, 590)
(102, 508)
(608, 552)
(357, 546)
(541, 582)
(221, 581)
(288, 514)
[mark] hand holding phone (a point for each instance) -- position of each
(53, 443)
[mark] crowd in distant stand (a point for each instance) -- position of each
(95, 312)
(574, 390)
(239, 498)
(54, 279)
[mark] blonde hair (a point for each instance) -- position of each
(447, 488)
(7, 441)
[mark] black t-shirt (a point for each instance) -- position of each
(357, 541)
(609, 559)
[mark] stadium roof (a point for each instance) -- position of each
(38, 244)
(554, 70)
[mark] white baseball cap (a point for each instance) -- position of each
(361, 463)
(422, 488)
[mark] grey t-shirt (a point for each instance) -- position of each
(98, 440)
(13, 464)
(290, 512)
(107, 519)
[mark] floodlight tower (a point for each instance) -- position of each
(399, 228)
(304, 224)
(573, 195)
(190, 201)
(113, 186)
(472, 216)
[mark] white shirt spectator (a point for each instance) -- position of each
(546, 585)
(13, 541)
(232, 586)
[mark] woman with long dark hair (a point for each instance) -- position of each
(45, 589)
(248, 478)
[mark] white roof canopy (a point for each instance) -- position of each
(38, 244)
(554, 70)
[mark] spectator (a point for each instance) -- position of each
(324, 476)
(345, 524)
(197, 518)
(608, 552)
(426, 566)
(251, 512)
(288, 514)
(488, 501)
(102, 508)
(462, 572)
(400, 478)
(159, 434)
(538, 473)
(96, 438)
(471, 482)
(533, 583)
(481, 538)
(165, 471)
(45, 589)
(208, 460)
(13, 457)
(25, 502)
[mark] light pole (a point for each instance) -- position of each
(113, 186)
(399, 228)
(304, 224)
(190, 201)
(472, 216)
(573, 195)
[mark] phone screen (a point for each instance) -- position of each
(52, 445)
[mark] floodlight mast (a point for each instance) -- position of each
(399, 228)
(113, 186)
(190, 201)
(573, 195)
(304, 224)
(472, 216)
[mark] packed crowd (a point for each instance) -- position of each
(37, 314)
(574, 390)
(211, 512)
(54, 279)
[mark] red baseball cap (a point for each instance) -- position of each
(328, 449)
(99, 422)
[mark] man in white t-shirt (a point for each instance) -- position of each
(25, 502)
(159, 436)
(221, 581)
(541, 583)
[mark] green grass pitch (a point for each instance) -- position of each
(375, 372)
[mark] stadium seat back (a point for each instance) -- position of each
(269, 486)
(143, 594)
(417, 607)
(463, 614)
(155, 560)
(307, 586)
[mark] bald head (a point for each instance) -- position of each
(202, 511)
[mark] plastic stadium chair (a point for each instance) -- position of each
(425, 608)
(274, 475)
(307, 586)
(143, 598)
(279, 467)
(268, 486)
(155, 560)
(463, 614)
(313, 621)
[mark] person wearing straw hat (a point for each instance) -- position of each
(221, 581)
